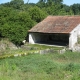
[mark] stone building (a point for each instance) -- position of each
(56, 30)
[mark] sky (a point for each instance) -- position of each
(67, 2)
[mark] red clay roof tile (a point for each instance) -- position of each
(57, 24)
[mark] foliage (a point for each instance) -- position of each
(15, 27)
(17, 4)
(41, 67)
(37, 14)
(76, 9)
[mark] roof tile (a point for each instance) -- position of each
(57, 24)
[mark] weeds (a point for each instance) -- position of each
(41, 67)
(52, 66)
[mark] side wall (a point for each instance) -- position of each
(73, 38)
(31, 38)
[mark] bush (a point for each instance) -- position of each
(16, 26)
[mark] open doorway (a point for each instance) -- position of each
(52, 39)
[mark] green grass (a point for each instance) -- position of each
(41, 67)
(27, 48)
(41, 47)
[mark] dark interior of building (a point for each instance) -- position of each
(54, 39)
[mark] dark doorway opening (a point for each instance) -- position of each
(54, 39)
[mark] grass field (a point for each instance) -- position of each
(41, 67)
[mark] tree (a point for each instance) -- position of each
(16, 3)
(37, 14)
(15, 24)
(76, 9)
(41, 3)
(68, 9)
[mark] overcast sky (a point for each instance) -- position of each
(68, 2)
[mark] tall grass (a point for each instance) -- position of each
(41, 67)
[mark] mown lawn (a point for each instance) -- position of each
(41, 67)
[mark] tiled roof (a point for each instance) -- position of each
(57, 24)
